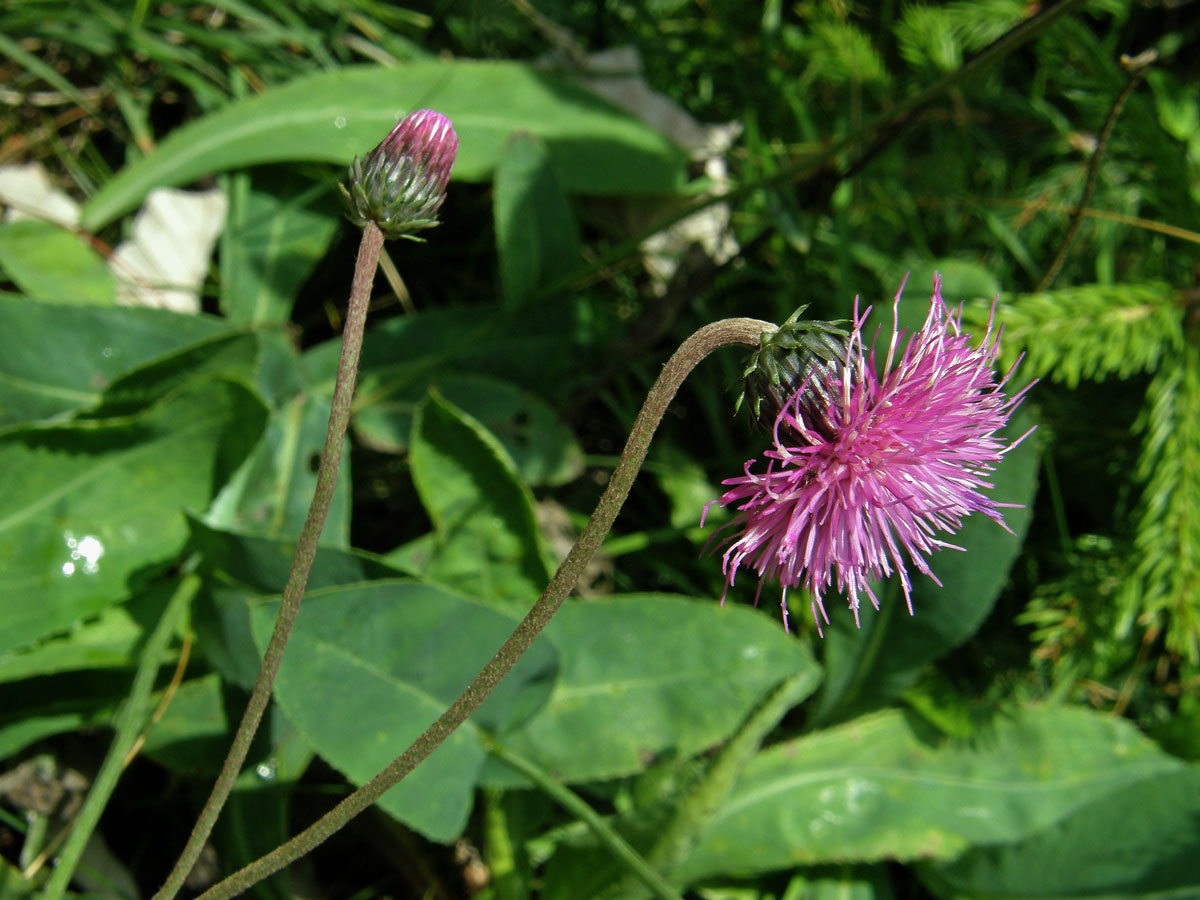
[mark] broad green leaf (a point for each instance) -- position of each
(488, 544)
(686, 485)
(872, 664)
(37, 708)
(281, 476)
(542, 448)
(56, 359)
(962, 280)
(273, 489)
(192, 734)
(672, 802)
(261, 564)
(652, 673)
(1140, 841)
(400, 355)
(886, 786)
(370, 666)
(240, 568)
(51, 263)
(108, 642)
(336, 115)
(537, 239)
(232, 354)
(279, 227)
(99, 504)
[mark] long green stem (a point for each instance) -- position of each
(130, 721)
(574, 804)
(695, 348)
(306, 551)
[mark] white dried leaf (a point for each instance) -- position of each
(616, 75)
(163, 263)
(27, 192)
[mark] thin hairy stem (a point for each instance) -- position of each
(306, 551)
(719, 334)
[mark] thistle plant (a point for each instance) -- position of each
(867, 469)
(396, 190)
(880, 449)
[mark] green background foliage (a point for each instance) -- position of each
(1032, 730)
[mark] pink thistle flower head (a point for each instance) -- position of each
(867, 471)
(400, 185)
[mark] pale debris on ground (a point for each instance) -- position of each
(163, 263)
(616, 75)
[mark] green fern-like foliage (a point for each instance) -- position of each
(1167, 576)
(1095, 332)
(842, 52)
(1092, 331)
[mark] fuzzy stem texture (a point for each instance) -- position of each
(707, 339)
(306, 551)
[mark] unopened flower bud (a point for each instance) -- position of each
(400, 185)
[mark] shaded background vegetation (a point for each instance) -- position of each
(1062, 176)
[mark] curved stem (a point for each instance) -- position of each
(306, 551)
(694, 349)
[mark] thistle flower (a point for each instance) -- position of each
(866, 469)
(400, 185)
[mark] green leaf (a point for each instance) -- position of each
(36, 708)
(56, 359)
(869, 665)
(229, 354)
(1140, 841)
(239, 568)
(108, 642)
(963, 280)
(537, 238)
(51, 263)
(370, 666)
(542, 448)
(281, 476)
(192, 733)
(649, 673)
(278, 229)
(274, 487)
(488, 544)
(99, 504)
(401, 355)
(886, 786)
(336, 115)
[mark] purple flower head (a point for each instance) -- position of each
(400, 185)
(866, 470)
